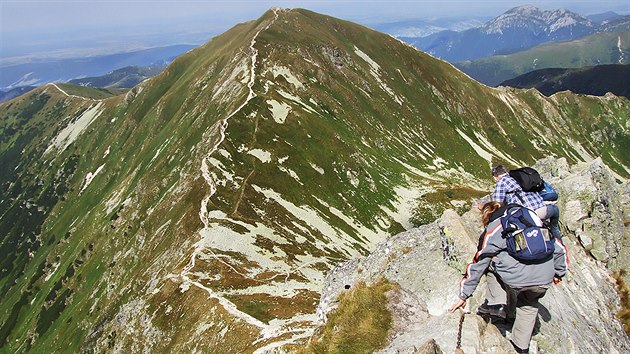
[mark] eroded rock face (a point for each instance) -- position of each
(576, 316)
(595, 206)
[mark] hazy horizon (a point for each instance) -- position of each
(63, 28)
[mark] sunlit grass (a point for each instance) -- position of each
(359, 325)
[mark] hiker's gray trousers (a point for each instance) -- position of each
(495, 295)
(526, 312)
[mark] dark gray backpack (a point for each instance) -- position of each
(528, 178)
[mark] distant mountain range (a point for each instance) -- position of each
(596, 80)
(62, 70)
(518, 29)
(596, 49)
(126, 77)
(423, 28)
(13, 93)
(619, 24)
(603, 17)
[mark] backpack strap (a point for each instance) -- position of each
(514, 205)
(499, 212)
(525, 221)
(506, 227)
(517, 194)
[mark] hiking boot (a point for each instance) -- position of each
(519, 350)
(492, 310)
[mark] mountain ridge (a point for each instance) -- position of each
(237, 177)
(126, 77)
(532, 19)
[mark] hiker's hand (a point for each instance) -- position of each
(556, 280)
(459, 304)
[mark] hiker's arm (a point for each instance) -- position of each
(560, 259)
(498, 195)
(471, 279)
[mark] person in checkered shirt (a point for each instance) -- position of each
(508, 191)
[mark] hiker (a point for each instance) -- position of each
(508, 191)
(525, 282)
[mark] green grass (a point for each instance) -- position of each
(89, 92)
(431, 205)
(359, 324)
(596, 49)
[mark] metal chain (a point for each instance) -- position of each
(459, 331)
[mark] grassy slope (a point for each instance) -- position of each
(94, 277)
(359, 324)
(105, 250)
(88, 92)
(600, 48)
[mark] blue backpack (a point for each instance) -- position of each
(527, 239)
(548, 193)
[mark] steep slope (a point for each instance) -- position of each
(594, 80)
(203, 208)
(517, 29)
(597, 49)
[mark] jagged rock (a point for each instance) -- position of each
(430, 347)
(552, 168)
(574, 214)
(586, 241)
(406, 309)
(578, 315)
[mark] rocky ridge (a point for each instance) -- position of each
(427, 262)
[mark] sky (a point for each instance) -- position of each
(34, 27)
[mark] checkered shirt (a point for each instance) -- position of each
(507, 189)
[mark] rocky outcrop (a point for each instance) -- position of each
(596, 208)
(577, 316)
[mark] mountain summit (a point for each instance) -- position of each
(517, 29)
(555, 25)
(203, 208)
